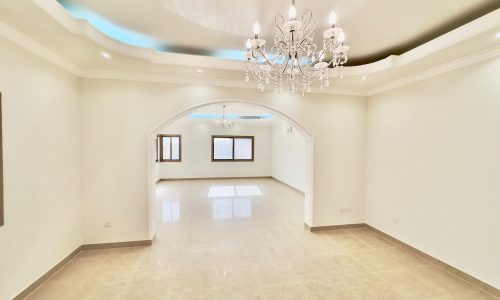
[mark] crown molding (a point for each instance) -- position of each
(487, 22)
(39, 50)
(82, 27)
(29, 44)
(438, 70)
(469, 30)
(176, 79)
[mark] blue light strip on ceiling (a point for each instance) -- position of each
(110, 29)
(230, 117)
(131, 37)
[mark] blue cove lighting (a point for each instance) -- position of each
(137, 39)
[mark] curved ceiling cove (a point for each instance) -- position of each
(135, 38)
(375, 29)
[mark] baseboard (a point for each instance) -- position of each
(117, 245)
(35, 285)
(215, 178)
(30, 289)
(334, 227)
(284, 183)
(441, 264)
(458, 273)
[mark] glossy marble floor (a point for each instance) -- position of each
(244, 239)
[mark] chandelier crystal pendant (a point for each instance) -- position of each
(295, 60)
(223, 123)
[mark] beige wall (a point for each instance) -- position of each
(43, 221)
(197, 151)
(432, 150)
(119, 115)
(433, 172)
(289, 156)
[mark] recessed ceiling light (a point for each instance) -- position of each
(364, 77)
(497, 35)
(106, 55)
(199, 71)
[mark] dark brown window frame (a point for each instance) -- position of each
(233, 137)
(159, 148)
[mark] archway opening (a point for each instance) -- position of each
(280, 122)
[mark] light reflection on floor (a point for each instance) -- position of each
(234, 191)
(227, 202)
(171, 211)
(257, 250)
(227, 208)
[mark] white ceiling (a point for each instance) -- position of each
(375, 29)
(46, 29)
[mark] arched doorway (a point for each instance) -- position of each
(309, 160)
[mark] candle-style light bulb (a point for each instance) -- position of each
(256, 28)
(292, 13)
(248, 44)
(341, 37)
(333, 18)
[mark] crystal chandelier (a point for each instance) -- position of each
(295, 60)
(222, 123)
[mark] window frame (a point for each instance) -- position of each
(159, 148)
(233, 137)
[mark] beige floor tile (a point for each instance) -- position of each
(251, 246)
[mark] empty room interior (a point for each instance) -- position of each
(286, 149)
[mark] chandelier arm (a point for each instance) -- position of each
(306, 23)
(280, 72)
(276, 23)
(306, 70)
(272, 65)
(323, 51)
(294, 47)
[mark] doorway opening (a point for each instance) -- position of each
(261, 142)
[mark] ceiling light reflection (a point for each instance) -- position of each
(171, 212)
(228, 208)
(227, 191)
(106, 55)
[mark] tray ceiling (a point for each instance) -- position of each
(375, 29)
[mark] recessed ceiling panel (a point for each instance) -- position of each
(375, 29)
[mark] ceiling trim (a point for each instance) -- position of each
(176, 79)
(438, 70)
(467, 31)
(477, 26)
(41, 51)
(82, 27)
(424, 37)
(29, 44)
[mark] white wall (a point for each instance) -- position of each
(197, 149)
(434, 165)
(119, 115)
(43, 221)
(289, 156)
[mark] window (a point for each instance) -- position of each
(168, 148)
(232, 148)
